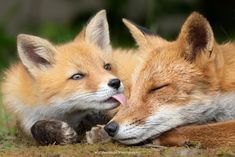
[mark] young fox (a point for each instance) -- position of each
(54, 88)
(187, 81)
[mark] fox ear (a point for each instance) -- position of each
(35, 53)
(139, 33)
(97, 31)
(196, 36)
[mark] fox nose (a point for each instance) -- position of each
(111, 128)
(114, 83)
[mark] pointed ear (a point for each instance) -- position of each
(97, 31)
(35, 53)
(196, 36)
(139, 33)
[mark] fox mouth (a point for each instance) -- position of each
(127, 139)
(117, 98)
(110, 100)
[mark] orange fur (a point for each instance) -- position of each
(125, 61)
(206, 136)
(41, 85)
(71, 57)
(171, 75)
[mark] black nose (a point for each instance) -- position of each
(114, 83)
(111, 128)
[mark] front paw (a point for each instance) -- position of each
(97, 135)
(53, 132)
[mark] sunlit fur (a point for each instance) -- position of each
(198, 79)
(35, 92)
(125, 62)
(214, 135)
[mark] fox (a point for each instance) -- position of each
(58, 91)
(181, 90)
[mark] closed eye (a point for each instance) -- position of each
(157, 88)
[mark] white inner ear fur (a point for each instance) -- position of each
(35, 53)
(97, 31)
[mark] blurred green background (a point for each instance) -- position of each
(61, 20)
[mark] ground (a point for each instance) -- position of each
(10, 148)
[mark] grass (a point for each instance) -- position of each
(111, 149)
(6, 126)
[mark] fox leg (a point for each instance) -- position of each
(212, 135)
(47, 132)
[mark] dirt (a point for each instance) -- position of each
(13, 147)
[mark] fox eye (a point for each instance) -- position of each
(107, 66)
(77, 76)
(158, 87)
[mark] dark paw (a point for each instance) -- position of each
(53, 132)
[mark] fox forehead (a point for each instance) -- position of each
(164, 64)
(80, 56)
(79, 52)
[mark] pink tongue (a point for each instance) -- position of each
(120, 98)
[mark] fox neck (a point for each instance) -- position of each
(219, 107)
(218, 104)
(18, 87)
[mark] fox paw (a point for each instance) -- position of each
(97, 135)
(53, 132)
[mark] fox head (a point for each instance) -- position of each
(173, 82)
(75, 75)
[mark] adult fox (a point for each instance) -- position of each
(187, 81)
